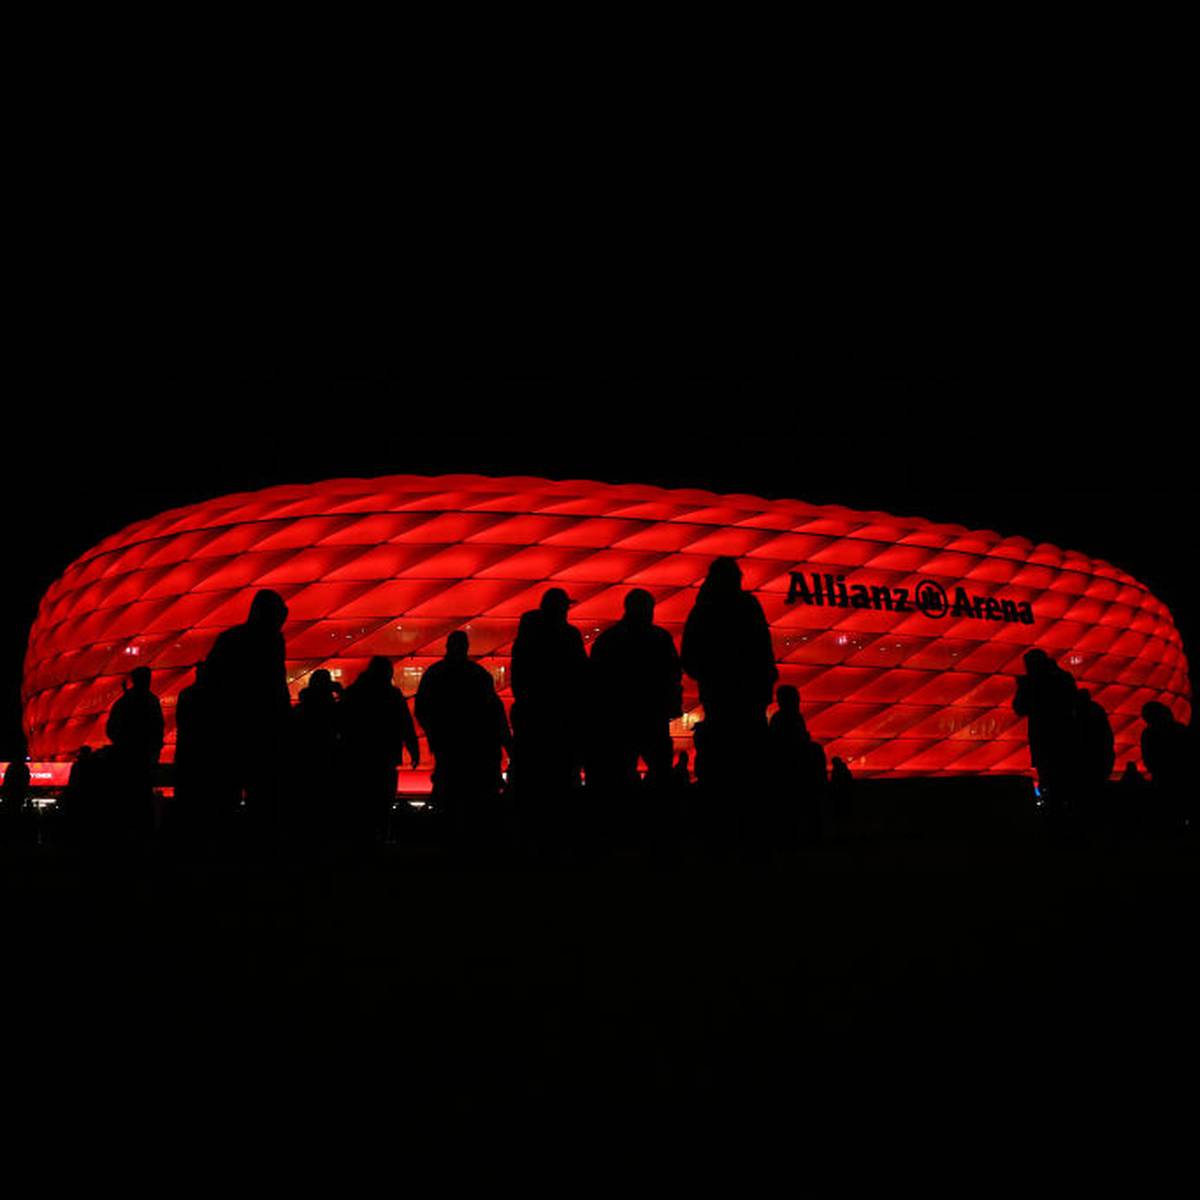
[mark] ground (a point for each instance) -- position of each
(878, 984)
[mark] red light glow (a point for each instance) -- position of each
(391, 566)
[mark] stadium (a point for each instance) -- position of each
(905, 637)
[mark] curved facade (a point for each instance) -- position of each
(903, 636)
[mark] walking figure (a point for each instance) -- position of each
(135, 729)
(797, 770)
(315, 755)
(248, 708)
(727, 650)
(550, 700)
(1046, 696)
(16, 823)
(377, 729)
(638, 693)
(464, 720)
(1166, 751)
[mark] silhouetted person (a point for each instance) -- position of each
(1166, 753)
(636, 679)
(841, 780)
(315, 754)
(1164, 744)
(318, 699)
(206, 800)
(135, 729)
(245, 683)
(1096, 740)
(839, 792)
(550, 705)
(1130, 815)
(797, 771)
(135, 724)
(727, 649)
(376, 730)
(464, 719)
(16, 815)
(1096, 759)
(78, 804)
(681, 775)
(1046, 696)
(78, 781)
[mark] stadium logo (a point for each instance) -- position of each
(928, 599)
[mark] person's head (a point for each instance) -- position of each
(555, 603)
(639, 607)
(201, 670)
(139, 679)
(724, 575)
(1154, 712)
(379, 669)
(457, 645)
(1036, 661)
(82, 753)
(788, 698)
(321, 680)
(267, 610)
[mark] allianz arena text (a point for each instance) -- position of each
(904, 636)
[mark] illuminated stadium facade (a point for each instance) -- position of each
(903, 636)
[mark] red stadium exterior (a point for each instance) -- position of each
(904, 637)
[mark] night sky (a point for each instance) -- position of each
(962, 295)
(1097, 464)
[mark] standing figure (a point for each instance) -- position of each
(248, 705)
(841, 791)
(315, 754)
(376, 730)
(77, 805)
(797, 770)
(637, 692)
(727, 650)
(1096, 741)
(197, 813)
(16, 824)
(463, 718)
(1046, 696)
(135, 729)
(1166, 751)
(550, 700)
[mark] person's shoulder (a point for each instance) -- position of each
(750, 600)
(228, 638)
(605, 637)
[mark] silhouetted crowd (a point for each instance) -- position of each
(589, 752)
(1071, 750)
(251, 767)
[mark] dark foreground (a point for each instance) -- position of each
(918, 989)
